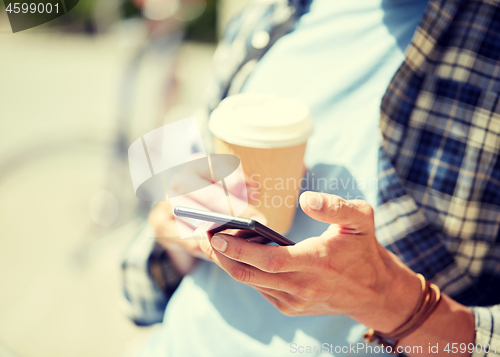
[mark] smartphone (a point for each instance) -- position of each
(232, 222)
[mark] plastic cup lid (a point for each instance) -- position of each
(261, 121)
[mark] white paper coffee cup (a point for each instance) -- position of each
(269, 134)
(261, 121)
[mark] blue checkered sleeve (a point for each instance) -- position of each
(149, 279)
(439, 164)
(487, 331)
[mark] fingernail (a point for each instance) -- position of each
(219, 243)
(315, 201)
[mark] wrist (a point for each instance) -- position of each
(396, 296)
(450, 323)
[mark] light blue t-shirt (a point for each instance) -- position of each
(339, 60)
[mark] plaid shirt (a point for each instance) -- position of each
(439, 163)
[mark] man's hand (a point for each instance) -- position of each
(184, 251)
(162, 220)
(343, 271)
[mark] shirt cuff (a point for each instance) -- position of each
(487, 331)
(144, 301)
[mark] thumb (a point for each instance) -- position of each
(356, 215)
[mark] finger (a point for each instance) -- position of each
(173, 231)
(214, 197)
(247, 274)
(201, 237)
(166, 227)
(356, 215)
(215, 200)
(163, 211)
(281, 305)
(289, 304)
(196, 175)
(266, 258)
(286, 298)
(203, 225)
(161, 219)
(276, 302)
(167, 233)
(181, 245)
(196, 180)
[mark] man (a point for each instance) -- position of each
(438, 204)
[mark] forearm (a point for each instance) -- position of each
(451, 323)
(145, 296)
